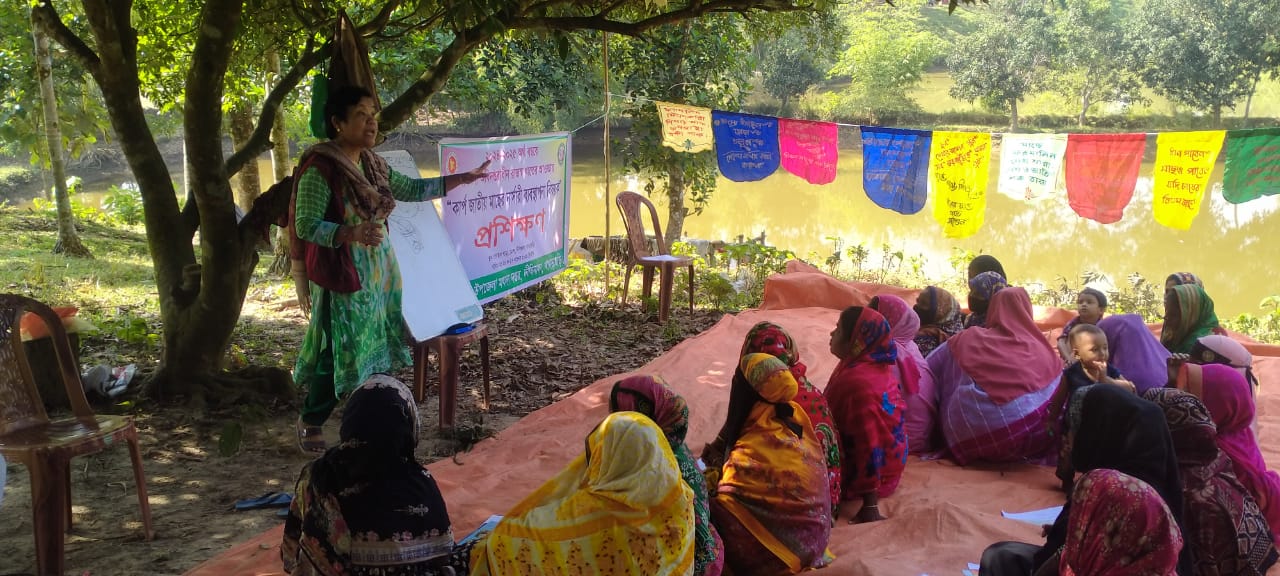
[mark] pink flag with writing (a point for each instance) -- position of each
(808, 149)
(1102, 171)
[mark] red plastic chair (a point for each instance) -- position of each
(45, 446)
(629, 204)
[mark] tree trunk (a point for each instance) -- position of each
(1248, 103)
(68, 241)
(1084, 106)
(1217, 115)
(1013, 115)
(280, 166)
(248, 182)
(675, 203)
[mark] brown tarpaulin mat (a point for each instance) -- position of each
(940, 519)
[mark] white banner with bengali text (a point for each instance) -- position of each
(509, 228)
(1030, 164)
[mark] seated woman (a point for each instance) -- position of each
(1135, 352)
(1217, 349)
(1180, 278)
(868, 409)
(769, 338)
(1188, 315)
(1121, 527)
(619, 508)
(994, 385)
(367, 506)
(771, 503)
(1230, 402)
(1114, 430)
(649, 395)
(918, 392)
(940, 318)
(1225, 530)
(985, 263)
(982, 288)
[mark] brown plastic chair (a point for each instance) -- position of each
(45, 446)
(629, 204)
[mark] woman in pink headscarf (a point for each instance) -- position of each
(994, 385)
(913, 372)
(1226, 394)
(1120, 527)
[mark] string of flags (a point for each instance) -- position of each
(901, 167)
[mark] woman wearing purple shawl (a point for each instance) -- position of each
(1135, 351)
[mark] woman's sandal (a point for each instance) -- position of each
(310, 438)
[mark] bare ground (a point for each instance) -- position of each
(542, 351)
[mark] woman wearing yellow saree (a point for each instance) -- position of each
(772, 501)
(620, 508)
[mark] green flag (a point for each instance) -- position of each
(1253, 165)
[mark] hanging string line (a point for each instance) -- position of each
(643, 100)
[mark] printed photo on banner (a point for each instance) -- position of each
(509, 228)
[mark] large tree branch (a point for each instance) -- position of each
(46, 16)
(380, 20)
(427, 85)
(693, 10)
(261, 140)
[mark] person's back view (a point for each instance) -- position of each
(367, 506)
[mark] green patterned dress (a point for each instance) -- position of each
(352, 336)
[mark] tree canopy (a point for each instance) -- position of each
(191, 55)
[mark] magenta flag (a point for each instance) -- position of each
(809, 149)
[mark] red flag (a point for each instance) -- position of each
(1102, 170)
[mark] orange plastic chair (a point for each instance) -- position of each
(629, 204)
(45, 446)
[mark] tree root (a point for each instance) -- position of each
(252, 385)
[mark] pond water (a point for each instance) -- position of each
(1234, 249)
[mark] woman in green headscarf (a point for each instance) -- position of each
(1188, 315)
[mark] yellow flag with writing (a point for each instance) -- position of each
(958, 163)
(1184, 161)
(685, 128)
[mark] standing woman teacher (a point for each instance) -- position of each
(350, 283)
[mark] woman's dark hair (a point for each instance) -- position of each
(339, 104)
(848, 318)
(985, 263)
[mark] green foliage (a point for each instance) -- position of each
(1002, 63)
(1095, 65)
(701, 63)
(790, 65)
(82, 115)
(886, 58)
(1206, 55)
(124, 204)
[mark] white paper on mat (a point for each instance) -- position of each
(437, 294)
(1036, 517)
(663, 258)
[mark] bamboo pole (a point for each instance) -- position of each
(608, 241)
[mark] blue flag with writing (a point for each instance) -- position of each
(895, 167)
(746, 145)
